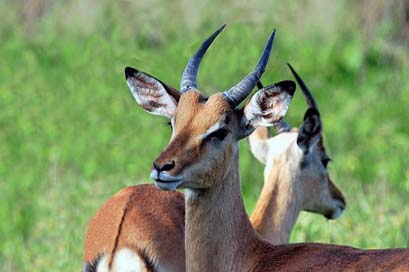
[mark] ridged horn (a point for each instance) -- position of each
(241, 90)
(188, 80)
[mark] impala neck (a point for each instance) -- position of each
(280, 201)
(217, 226)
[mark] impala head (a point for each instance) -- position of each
(205, 131)
(320, 193)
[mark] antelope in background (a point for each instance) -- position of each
(295, 177)
(203, 158)
(126, 221)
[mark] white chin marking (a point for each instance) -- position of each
(167, 186)
(190, 194)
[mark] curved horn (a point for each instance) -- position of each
(307, 94)
(188, 80)
(241, 90)
(281, 126)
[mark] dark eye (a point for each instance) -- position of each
(325, 162)
(219, 134)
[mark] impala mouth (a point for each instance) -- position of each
(334, 214)
(165, 181)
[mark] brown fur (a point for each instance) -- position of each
(289, 182)
(234, 246)
(275, 213)
(219, 235)
(159, 209)
(186, 146)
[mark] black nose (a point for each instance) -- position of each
(165, 167)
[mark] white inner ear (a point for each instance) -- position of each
(151, 95)
(265, 108)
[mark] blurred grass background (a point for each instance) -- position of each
(71, 134)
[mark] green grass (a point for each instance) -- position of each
(71, 134)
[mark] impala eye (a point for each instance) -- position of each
(219, 134)
(325, 162)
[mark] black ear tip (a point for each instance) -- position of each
(129, 71)
(288, 86)
(311, 112)
(260, 85)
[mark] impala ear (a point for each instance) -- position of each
(151, 94)
(310, 131)
(267, 107)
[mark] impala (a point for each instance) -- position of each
(202, 157)
(124, 232)
(126, 221)
(295, 178)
